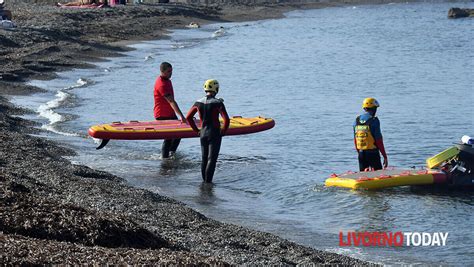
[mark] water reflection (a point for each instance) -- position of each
(377, 207)
(206, 194)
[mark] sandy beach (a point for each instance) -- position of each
(56, 212)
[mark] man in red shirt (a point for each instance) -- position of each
(166, 107)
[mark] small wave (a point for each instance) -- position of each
(47, 110)
(149, 58)
(96, 141)
(319, 188)
(252, 192)
(177, 46)
(54, 130)
(183, 45)
(353, 252)
(153, 157)
(81, 82)
(218, 33)
(240, 159)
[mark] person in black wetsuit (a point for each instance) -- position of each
(209, 108)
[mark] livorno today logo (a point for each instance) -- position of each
(392, 239)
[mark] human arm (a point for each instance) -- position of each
(380, 146)
(379, 141)
(175, 107)
(226, 118)
(190, 118)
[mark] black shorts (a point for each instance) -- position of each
(369, 159)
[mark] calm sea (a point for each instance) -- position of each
(310, 72)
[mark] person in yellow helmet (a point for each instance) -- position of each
(209, 108)
(368, 137)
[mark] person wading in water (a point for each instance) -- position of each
(209, 108)
(166, 107)
(368, 137)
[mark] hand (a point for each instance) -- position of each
(385, 162)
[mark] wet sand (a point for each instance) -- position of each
(55, 212)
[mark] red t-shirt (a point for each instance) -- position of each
(162, 108)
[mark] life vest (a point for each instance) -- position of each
(364, 138)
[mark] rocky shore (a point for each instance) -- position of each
(55, 212)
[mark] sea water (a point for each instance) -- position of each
(309, 71)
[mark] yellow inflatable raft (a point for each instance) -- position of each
(386, 178)
(437, 160)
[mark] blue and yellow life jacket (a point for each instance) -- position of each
(364, 138)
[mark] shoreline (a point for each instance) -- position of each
(56, 212)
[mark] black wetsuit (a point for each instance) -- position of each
(211, 134)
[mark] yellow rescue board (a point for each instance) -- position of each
(385, 179)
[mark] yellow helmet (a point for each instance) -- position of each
(370, 103)
(211, 86)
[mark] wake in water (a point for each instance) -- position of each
(185, 44)
(241, 159)
(149, 58)
(220, 32)
(63, 97)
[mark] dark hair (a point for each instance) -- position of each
(165, 66)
